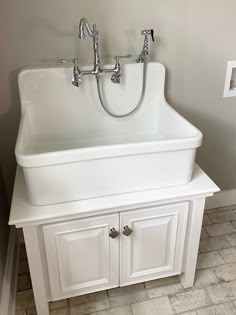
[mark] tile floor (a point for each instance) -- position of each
(214, 291)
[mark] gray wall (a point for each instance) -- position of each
(194, 39)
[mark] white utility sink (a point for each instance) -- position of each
(70, 149)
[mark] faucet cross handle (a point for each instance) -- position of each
(74, 61)
(118, 57)
(76, 80)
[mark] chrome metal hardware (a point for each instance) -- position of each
(127, 230)
(117, 58)
(145, 49)
(113, 233)
(84, 24)
(148, 32)
(98, 70)
(115, 78)
(68, 60)
(76, 80)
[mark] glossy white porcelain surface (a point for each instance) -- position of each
(70, 149)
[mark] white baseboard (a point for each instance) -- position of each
(221, 199)
(7, 301)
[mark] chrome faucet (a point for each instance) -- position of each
(97, 69)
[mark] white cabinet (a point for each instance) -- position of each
(70, 252)
(83, 257)
(154, 249)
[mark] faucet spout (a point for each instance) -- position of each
(85, 25)
(94, 34)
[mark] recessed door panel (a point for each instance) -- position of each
(81, 256)
(81, 259)
(155, 247)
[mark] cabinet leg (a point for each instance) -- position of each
(193, 234)
(36, 270)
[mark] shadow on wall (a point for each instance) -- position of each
(215, 134)
(9, 122)
(4, 228)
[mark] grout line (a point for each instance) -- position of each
(205, 290)
(229, 302)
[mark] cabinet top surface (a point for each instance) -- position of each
(23, 213)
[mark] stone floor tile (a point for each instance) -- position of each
(231, 238)
(221, 309)
(91, 307)
(229, 255)
(165, 290)
(20, 312)
(190, 300)
(161, 282)
(123, 310)
(58, 304)
(126, 290)
(93, 297)
(226, 208)
(24, 299)
(221, 293)
(22, 282)
(23, 266)
(128, 298)
(220, 229)
(205, 278)
(60, 311)
(188, 313)
(207, 260)
(206, 220)
(224, 216)
(234, 222)
(226, 272)
(204, 233)
(214, 243)
(153, 307)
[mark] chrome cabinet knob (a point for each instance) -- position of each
(113, 233)
(127, 231)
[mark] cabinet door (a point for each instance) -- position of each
(81, 256)
(154, 249)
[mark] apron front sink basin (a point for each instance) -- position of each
(70, 149)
